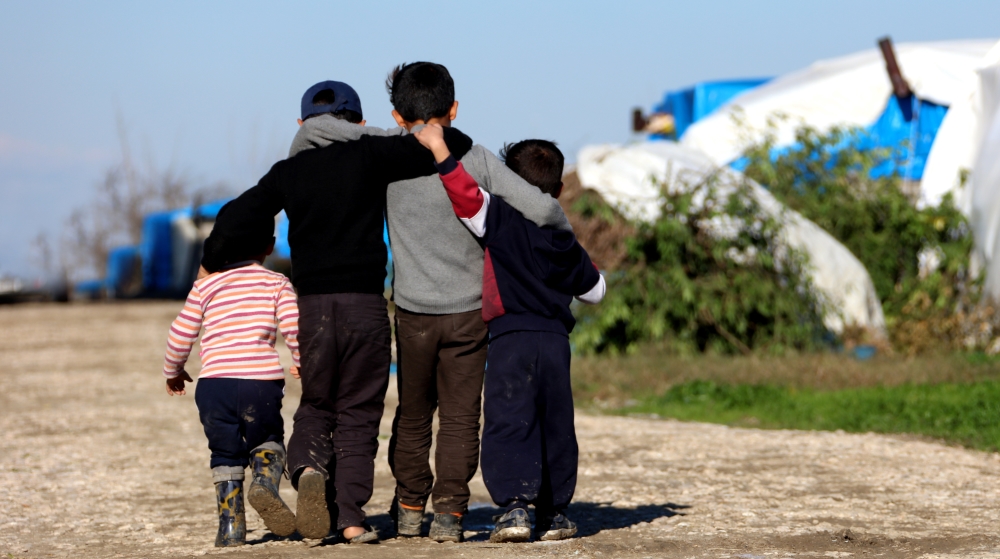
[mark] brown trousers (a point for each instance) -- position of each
(440, 362)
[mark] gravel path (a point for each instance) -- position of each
(96, 461)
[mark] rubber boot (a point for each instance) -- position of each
(267, 462)
(232, 518)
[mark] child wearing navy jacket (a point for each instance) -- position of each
(530, 276)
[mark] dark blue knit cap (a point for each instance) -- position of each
(345, 99)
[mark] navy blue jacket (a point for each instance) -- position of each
(531, 274)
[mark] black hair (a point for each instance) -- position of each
(420, 90)
(329, 97)
(248, 242)
(539, 162)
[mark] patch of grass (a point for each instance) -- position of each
(952, 396)
(963, 413)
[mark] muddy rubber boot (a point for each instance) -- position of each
(312, 518)
(267, 462)
(232, 518)
(408, 521)
(446, 527)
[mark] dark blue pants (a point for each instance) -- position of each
(238, 416)
(529, 441)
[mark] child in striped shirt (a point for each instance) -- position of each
(241, 383)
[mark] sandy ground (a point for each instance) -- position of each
(97, 461)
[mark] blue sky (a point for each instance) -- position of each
(211, 89)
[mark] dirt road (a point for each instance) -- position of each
(97, 461)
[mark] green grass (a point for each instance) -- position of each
(955, 397)
(963, 413)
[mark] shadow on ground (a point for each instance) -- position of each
(591, 518)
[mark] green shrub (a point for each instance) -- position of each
(707, 275)
(827, 178)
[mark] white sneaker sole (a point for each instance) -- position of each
(511, 535)
(561, 534)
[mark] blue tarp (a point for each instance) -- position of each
(121, 267)
(907, 129)
(698, 101)
(157, 251)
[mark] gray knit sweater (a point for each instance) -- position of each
(437, 263)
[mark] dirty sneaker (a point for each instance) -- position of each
(511, 527)
(446, 527)
(312, 519)
(408, 521)
(558, 527)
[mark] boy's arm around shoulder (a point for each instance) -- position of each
(240, 214)
(538, 207)
(396, 158)
(566, 267)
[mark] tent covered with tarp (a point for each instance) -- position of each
(966, 160)
(630, 178)
(852, 91)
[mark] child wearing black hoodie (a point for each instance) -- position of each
(530, 276)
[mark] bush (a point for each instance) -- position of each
(828, 178)
(708, 275)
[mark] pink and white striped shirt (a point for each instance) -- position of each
(238, 309)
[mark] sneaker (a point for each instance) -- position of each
(408, 521)
(558, 527)
(512, 527)
(446, 527)
(312, 519)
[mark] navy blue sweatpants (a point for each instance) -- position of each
(238, 416)
(529, 442)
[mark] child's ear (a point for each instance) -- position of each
(453, 113)
(399, 119)
(270, 249)
(300, 122)
(559, 192)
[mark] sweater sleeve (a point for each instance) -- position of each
(471, 203)
(182, 335)
(396, 158)
(566, 267)
(535, 205)
(240, 216)
(287, 313)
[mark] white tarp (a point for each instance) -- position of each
(851, 90)
(628, 177)
(983, 188)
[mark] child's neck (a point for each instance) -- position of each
(443, 121)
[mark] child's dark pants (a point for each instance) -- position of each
(529, 441)
(238, 416)
(440, 361)
(345, 343)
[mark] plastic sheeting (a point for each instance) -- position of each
(698, 101)
(960, 138)
(983, 188)
(853, 90)
(628, 178)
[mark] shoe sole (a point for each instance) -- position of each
(312, 519)
(560, 534)
(369, 536)
(445, 538)
(278, 518)
(511, 535)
